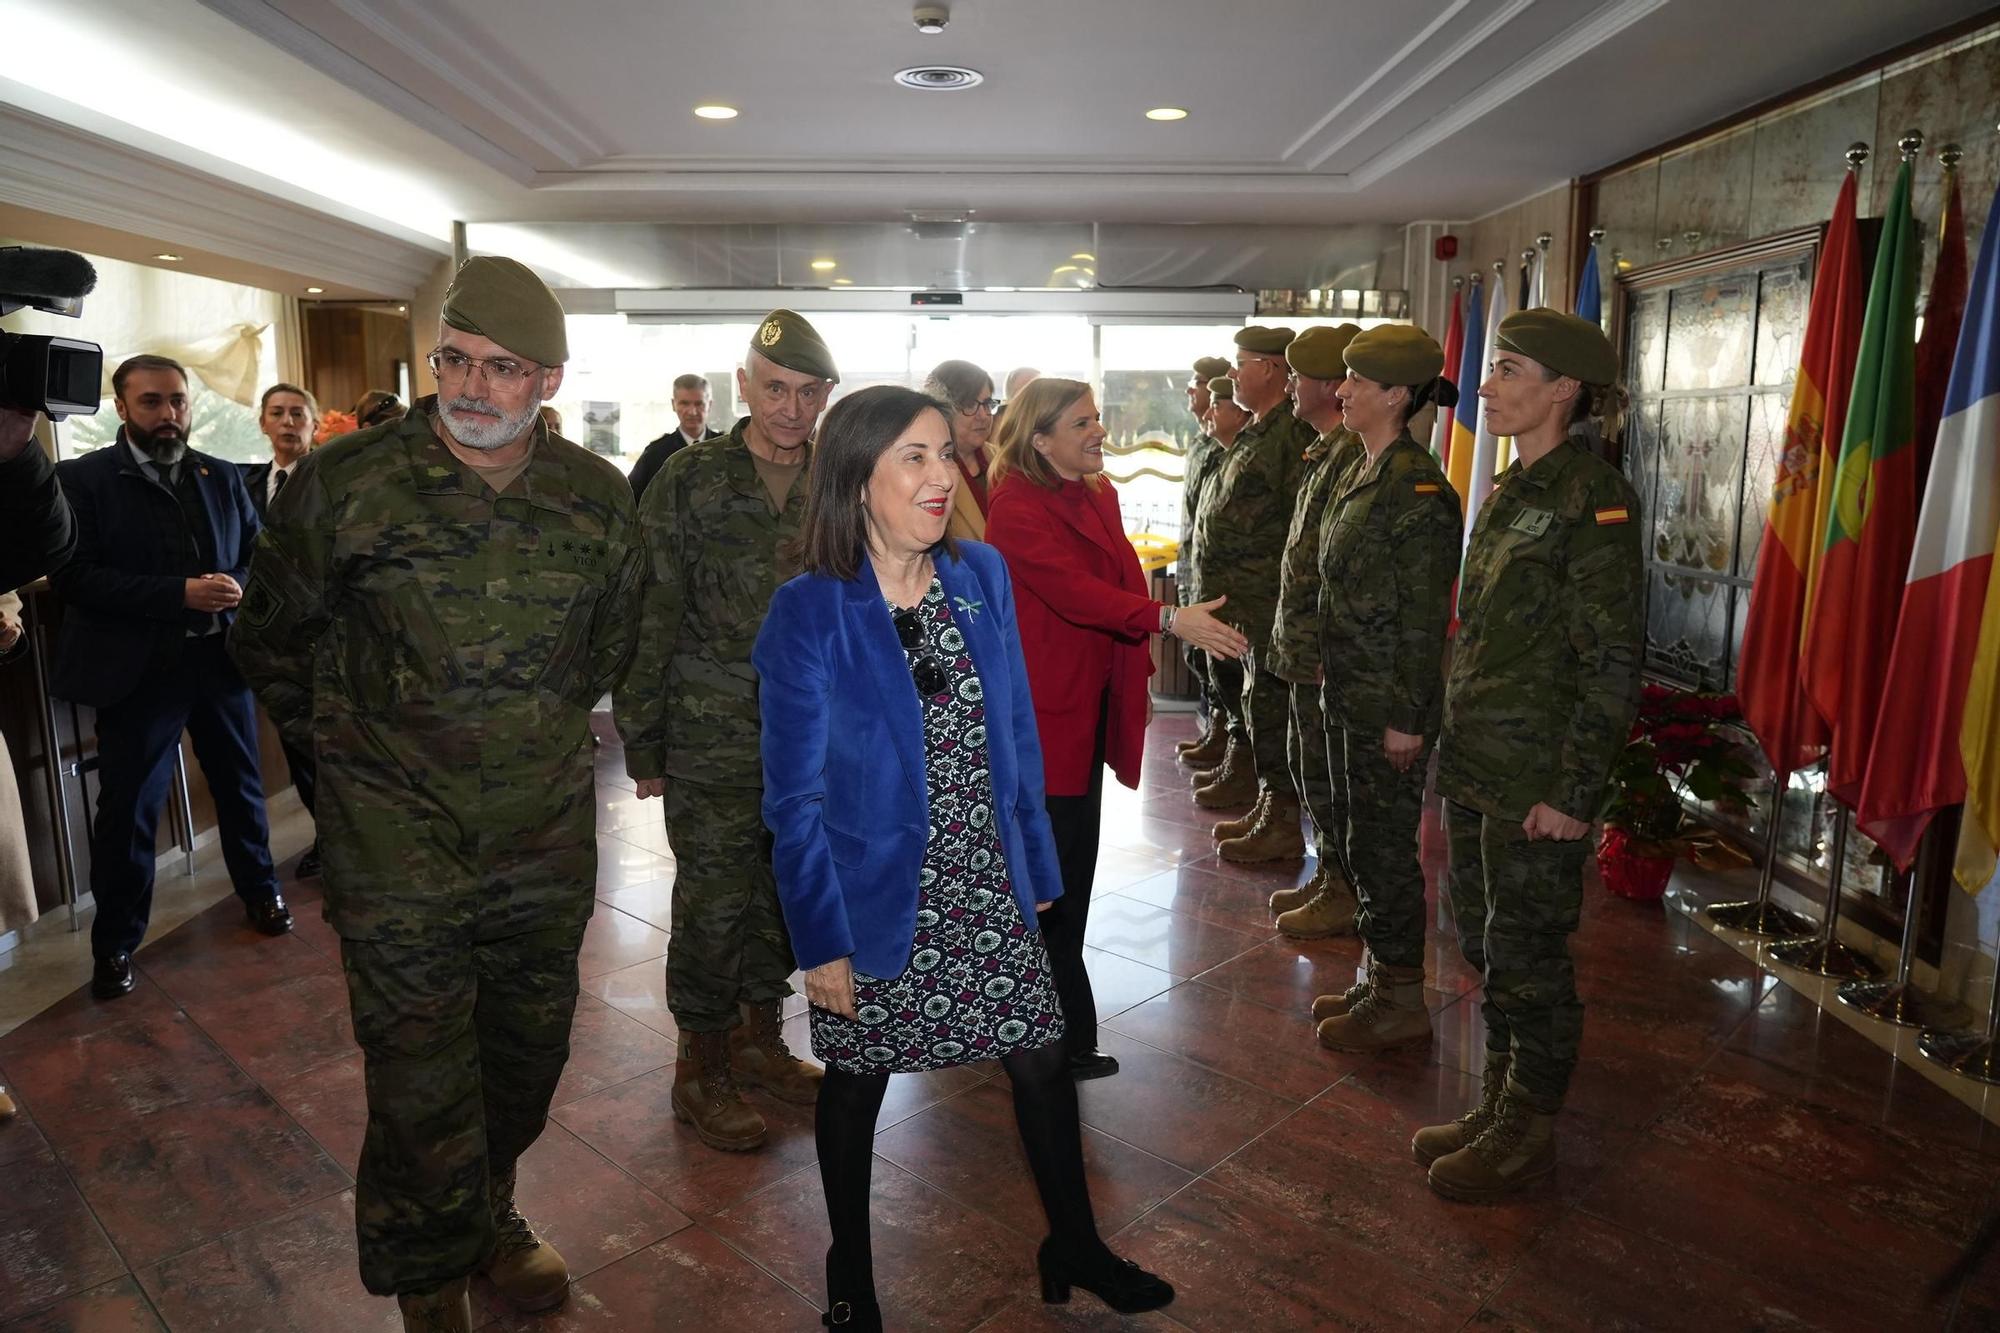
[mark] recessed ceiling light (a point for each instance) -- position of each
(402, 310)
(314, 291)
(1167, 113)
(715, 111)
(843, 282)
(171, 259)
(825, 265)
(1087, 258)
(1065, 268)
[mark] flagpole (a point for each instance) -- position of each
(1969, 1053)
(1824, 955)
(1760, 916)
(1899, 1001)
(1542, 243)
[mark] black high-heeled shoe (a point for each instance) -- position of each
(1119, 1283)
(848, 1309)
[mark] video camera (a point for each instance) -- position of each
(59, 377)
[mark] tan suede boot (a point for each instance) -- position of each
(1435, 1141)
(1276, 837)
(1231, 749)
(1290, 900)
(7, 1108)
(1330, 1006)
(1391, 1014)
(1208, 751)
(446, 1310)
(1235, 784)
(759, 1058)
(1242, 824)
(705, 1095)
(1515, 1151)
(1331, 912)
(523, 1267)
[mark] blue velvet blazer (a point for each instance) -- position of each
(843, 742)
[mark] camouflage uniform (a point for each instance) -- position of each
(1204, 460)
(1239, 542)
(1294, 654)
(1544, 683)
(1388, 559)
(439, 648)
(716, 551)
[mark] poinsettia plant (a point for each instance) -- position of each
(1679, 747)
(332, 424)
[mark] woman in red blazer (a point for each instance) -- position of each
(1085, 618)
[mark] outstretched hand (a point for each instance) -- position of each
(1199, 626)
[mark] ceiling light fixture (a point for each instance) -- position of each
(1087, 258)
(1167, 113)
(715, 111)
(314, 291)
(171, 259)
(1065, 268)
(825, 265)
(939, 78)
(843, 282)
(931, 19)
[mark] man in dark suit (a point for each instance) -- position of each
(289, 418)
(163, 547)
(691, 404)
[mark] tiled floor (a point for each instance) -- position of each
(1732, 1158)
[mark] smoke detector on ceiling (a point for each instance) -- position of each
(931, 19)
(939, 78)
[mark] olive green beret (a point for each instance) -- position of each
(787, 338)
(1265, 341)
(1208, 367)
(1395, 354)
(1222, 387)
(502, 299)
(1565, 344)
(1320, 353)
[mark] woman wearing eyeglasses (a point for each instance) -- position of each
(968, 392)
(903, 789)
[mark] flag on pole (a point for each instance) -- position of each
(1871, 522)
(1471, 370)
(1918, 767)
(1767, 673)
(1589, 301)
(1454, 344)
(1485, 447)
(1979, 739)
(1944, 309)
(1527, 294)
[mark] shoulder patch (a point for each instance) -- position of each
(1613, 514)
(1427, 488)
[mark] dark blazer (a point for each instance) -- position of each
(37, 531)
(658, 452)
(845, 793)
(1087, 622)
(256, 476)
(124, 607)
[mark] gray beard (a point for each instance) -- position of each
(164, 450)
(481, 432)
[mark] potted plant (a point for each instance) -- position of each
(1679, 748)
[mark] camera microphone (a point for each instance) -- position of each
(39, 372)
(51, 280)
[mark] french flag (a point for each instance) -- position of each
(1916, 766)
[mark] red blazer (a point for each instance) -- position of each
(1085, 621)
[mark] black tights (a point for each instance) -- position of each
(1044, 1110)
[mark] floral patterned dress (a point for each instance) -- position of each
(978, 984)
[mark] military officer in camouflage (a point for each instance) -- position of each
(1388, 560)
(721, 526)
(434, 608)
(1204, 456)
(1544, 683)
(1222, 677)
(1324, 905)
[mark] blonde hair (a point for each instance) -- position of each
(1032, 412)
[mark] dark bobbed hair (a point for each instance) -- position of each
(143, 361)
(854, 435)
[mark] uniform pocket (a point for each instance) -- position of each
(396, 651)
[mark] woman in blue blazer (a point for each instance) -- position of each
(903, 789)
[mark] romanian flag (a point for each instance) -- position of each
(1454, 346)
(1872, 520)
(1465, 420)
(1767, 674)
(1485, 447)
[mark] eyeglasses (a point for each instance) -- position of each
(447, 363)
(991, 405)
(926, 671)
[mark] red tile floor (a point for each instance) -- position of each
(1731, 1160)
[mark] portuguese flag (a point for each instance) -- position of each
(1767, 674)
(1872, 517)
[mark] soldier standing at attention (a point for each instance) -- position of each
(1544, 683)
(1204, 456)
(1387, 562)
(1222, 677)
(722, 526)
(1325, 904)
(433, 610)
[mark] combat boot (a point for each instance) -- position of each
(1276, 837)
(1391, 1014)
(1332, 1006)
(1287, 900)
(1231, 749)
(7, 1108)
(759, 1058)
(705, 1095)
(446, 1310)
(1435, 1141)
(1242, 824)
(1516, 1150)
(523, 1267)
(1208, 751)
(1235, 783)
(1330, 912)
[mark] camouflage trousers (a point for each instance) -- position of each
(1267, 719)
(1197, 665)
(728, 944)
(1385, 810)
(1225, 692)
(1517, 903)
(1320, 787)
(463, 1042)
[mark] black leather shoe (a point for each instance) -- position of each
(112, 977)
(1092, 1063)
(271, 917)
(308, 867)
(1119, 1283)
(851, 1305)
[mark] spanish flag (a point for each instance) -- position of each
(1465, 418)
(1454, 347)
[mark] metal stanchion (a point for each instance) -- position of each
(1760, 916)
(183, 811)
(1824, 955)
(54, 770)
(1972, 1054)
(1899, 1001)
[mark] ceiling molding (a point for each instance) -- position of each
(54, 167)
(932, 182)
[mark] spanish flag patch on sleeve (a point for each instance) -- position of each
(1427, 488)
(1614, 514)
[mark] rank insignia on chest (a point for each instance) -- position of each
(1613, 514)
(1534, 522)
